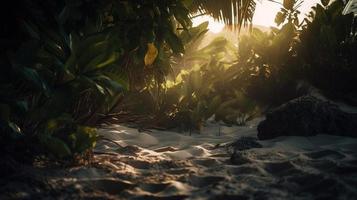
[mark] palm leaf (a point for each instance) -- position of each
(233, 13)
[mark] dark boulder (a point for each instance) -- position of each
(244, 143)
(307, 116)
(240, 158)
(238, 148)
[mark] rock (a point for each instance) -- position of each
(238, 147)
(307, 116)
(244, 143)
(239, 158)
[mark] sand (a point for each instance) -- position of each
(169, 165)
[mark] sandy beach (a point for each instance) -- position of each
(156, 164)
(168, 165)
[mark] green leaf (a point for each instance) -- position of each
(34, 78)
(85, 138)
(181, 14)
(92, 51)
(90, 83)
(85, 44)
(58, 102)
(110, 84)
(194, 33)
(101, 61)
(55, 49)
(121, 78)
(174, 42)
(57, 147)
(15, 132)
(187, 3)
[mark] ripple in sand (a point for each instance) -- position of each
(153, 187)
(179, 171)
(203, 181)
(207, 162)
(281, 168)
(327, 153)
(129, 150)
(244, 170)
(164, 149)
(138, 164)
(153, 197)
(110, 186)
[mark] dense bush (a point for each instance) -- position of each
(66, 63)
(327, 51)
(271, 68)
(318, 51)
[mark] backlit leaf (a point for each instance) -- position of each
(151, 54)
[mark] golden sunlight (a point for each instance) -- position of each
(214, 26)
(266, 10)
(264, 15)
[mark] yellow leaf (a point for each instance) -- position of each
(151, 54)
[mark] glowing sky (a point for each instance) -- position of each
(265, 11)
(264, 14)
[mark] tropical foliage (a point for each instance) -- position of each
(317, 51)
(271, 68)
(69, 65)
(75, 59)
(326, 50)
(232, 12)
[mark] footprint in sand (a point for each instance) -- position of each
(110, 186)
(153, 187)
(203, 181)
(281, 168)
